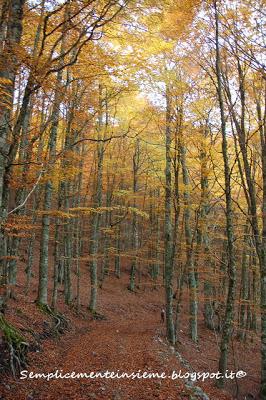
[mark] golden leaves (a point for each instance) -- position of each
(5, 81)
(6, 97)
(56, 213)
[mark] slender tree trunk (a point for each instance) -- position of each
(168, 229)
(68, 248)
(24, 156)
(135, 233)
(58, 276)
(244, 290)
(48, 192)
(263, 255)
(203, 237)
(97, 216)
(78, 228)
(36, 202)
(229, 312)
(118, 250)
(108, 217)
(193, 303)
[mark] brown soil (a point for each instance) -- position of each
(131, 338)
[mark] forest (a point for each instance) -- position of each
(132, 199)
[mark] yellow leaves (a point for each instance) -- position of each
(63, 171)
(113, 251)
(138, 212)
(84, 210)
(230, 14)
(6, 97)
(56, 213)
(201, 107)
(107, 231)
(5, 81)
(69, 172)
(178, 17)
(122, 193)
(101, 210)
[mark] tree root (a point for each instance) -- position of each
(60, 323)
(98, 316)
(15, 344)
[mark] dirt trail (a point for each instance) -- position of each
(128, 341)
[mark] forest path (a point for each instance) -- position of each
(130, 339)
(126, 341)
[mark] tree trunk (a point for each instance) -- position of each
(135, 233)
(168, 229)
(10, 32)
(229, 312)
(190, 267)
(45, 234)
(97, 216)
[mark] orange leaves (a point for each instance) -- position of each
(19, 226)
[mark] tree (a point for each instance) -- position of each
(229, 312)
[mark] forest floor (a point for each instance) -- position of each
(131, 338)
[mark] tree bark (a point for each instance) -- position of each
(229, 312)
(168, 228)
